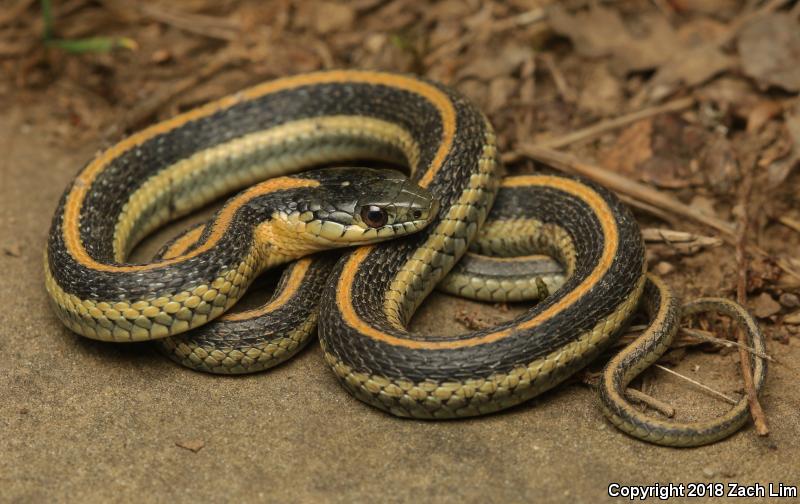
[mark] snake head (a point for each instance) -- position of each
(357, 206)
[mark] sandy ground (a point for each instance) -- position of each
(87, 421)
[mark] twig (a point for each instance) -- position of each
(149, 107)
(780, 262)
(208, 26)
(672, 236)
(706, 336)
(592, 380)
(698, 384)
(652, 210)
(759, 419)
(615, 123)
(566, 92)
(568, 163)
(620, 184)
(660, 406)
(789, 222)
(523, 19)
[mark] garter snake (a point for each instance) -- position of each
(366, 297)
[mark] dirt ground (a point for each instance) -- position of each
(714, 85)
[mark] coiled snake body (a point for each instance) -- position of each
(370, 294)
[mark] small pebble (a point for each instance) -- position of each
(793, 318)
(194, 445)
(764, 306)
(664, 268)
(160, 56)
(709, 472)
(789, 300)
(12, 249)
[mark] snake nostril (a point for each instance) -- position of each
(416, 214)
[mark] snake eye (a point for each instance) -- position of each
(374, 216)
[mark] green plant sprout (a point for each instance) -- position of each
(82, 45)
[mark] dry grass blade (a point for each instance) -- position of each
(522, 19)
(789, 222)
(564, 89)
(708, 389)
(706, 336)
(652, 210)
(208, 26)
(620, 184)
(615, 123)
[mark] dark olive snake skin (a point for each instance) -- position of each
(366, 297)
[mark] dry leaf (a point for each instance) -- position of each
(631, 148)
(501, 63)
(594, 33)
(761, 113)
(731, 95)
(719, 8)
(600, 31)
(500, 90)
(720, 166)
(602, 94)
(764, 306)
(330, 16)
(672, 148)
(701, 31)
(769, 48)
(689, 68)
(665, 172)
(785, 160)
(649, 52)
(792, 318)
(703, 205)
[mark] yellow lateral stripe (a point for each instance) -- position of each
(180, 245)
(194, 166)
(292, 285)
(84, 180)
(221, 224)
(515, 259)
(344, 295)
